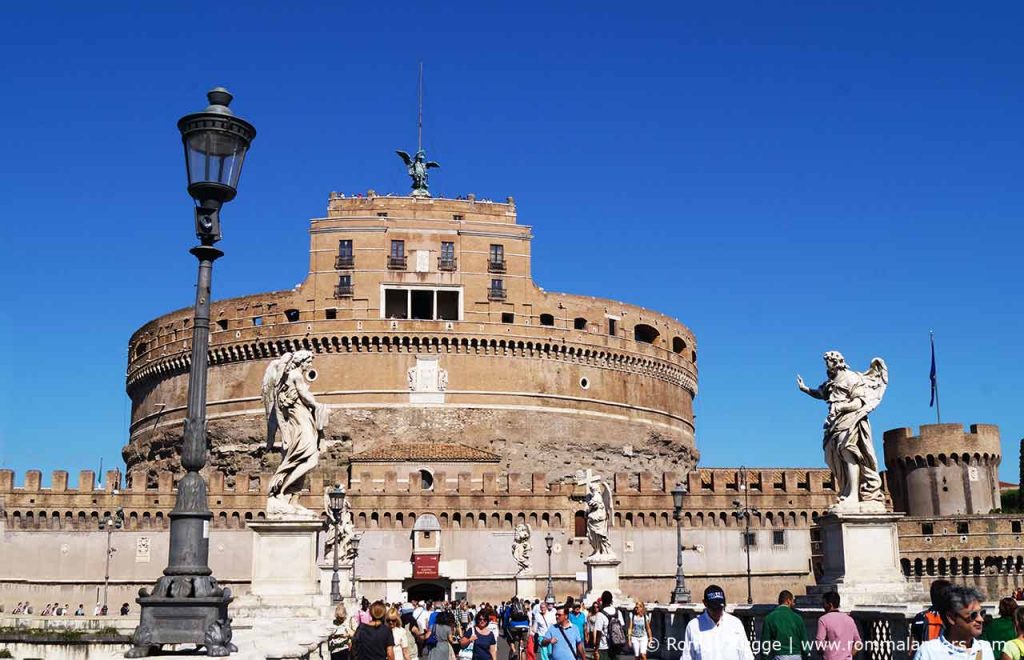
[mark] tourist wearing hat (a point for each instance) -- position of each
(715, 634)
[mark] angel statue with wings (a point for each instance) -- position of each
(849, 450)
(599, 515)
(521, 546)
(346, 530)
(417, 167)
(291, 408)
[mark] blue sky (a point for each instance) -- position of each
(784, 178)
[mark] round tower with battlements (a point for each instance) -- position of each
(943, 471)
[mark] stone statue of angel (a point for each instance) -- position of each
(339, 532)
(417, 167)
(292, 409)
(599, 515)
(849, 449)
(521, 546)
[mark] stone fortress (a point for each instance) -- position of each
(463, 399)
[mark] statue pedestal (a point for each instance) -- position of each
(326, 570)
(603, 575)
(526, 587)
(861, 561)
(285, 576)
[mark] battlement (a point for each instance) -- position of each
(704, 481)
(470, 209)
(942, 444)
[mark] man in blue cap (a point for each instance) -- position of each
(715, 634)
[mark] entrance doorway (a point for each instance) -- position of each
(436, 590)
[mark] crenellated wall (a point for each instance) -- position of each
(944, 471)
(784, 498)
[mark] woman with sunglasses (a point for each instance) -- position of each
(485, 646)
(399, 634)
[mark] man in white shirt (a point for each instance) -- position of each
(602, 626)
(962, 618)
(715, 634)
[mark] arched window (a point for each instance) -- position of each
(678, 345)
(579, 525)
(426, 480)
(645, 333)
(579, 323)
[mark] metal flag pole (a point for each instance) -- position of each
(935, 381)
(419, 123)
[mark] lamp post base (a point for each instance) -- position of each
(189, 620)
(681, 595)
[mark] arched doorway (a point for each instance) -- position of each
(435, 590)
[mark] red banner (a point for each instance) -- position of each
(425, 567)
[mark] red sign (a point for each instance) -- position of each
(425, 567)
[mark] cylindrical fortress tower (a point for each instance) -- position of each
(427, 326)
(943, 471)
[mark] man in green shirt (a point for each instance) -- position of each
(1000, 630)
(784, 634)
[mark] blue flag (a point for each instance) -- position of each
(935, 384)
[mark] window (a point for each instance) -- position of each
(397, 257)
(257, 320)
(292, 315)
(458, 217)
(749, 539)
(1015, 526)
(678, 345)
(579, 323)
(645, 333)
(222, 324)
(426, 481)
(422, 303)
(613, 327)
(345, 258)
(579, 527)
(963, 528)
(382, 214)
(928, 529)
(447, 259)
(508, 317)
(496, 259)
(779, 537)
(497, 290)
(330, 313)
(547, 319)
(344, 288)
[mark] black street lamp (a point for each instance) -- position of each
(744, 511)
(352, 571)
(188, 606)
(680, 595)
(336, 500)
(549, 541)
(109, 524)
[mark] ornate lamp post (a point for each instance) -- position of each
(336, 500)
(549, 541)
(355, 553)
(187, 605)
(110, 523)
(744, 511)
(680, 594)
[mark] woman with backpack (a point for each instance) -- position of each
(639, 632)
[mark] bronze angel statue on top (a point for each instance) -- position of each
(417, 167)
(849, 450)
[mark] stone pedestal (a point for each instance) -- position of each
(603, 575)
(285, 575)
(861, 560)
(526, 587)
(344, 579)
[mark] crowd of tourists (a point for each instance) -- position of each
(534, 630)
(56, 609)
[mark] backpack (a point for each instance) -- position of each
(616, 635)
(926, 626)
(432, 639)
(517, 616)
